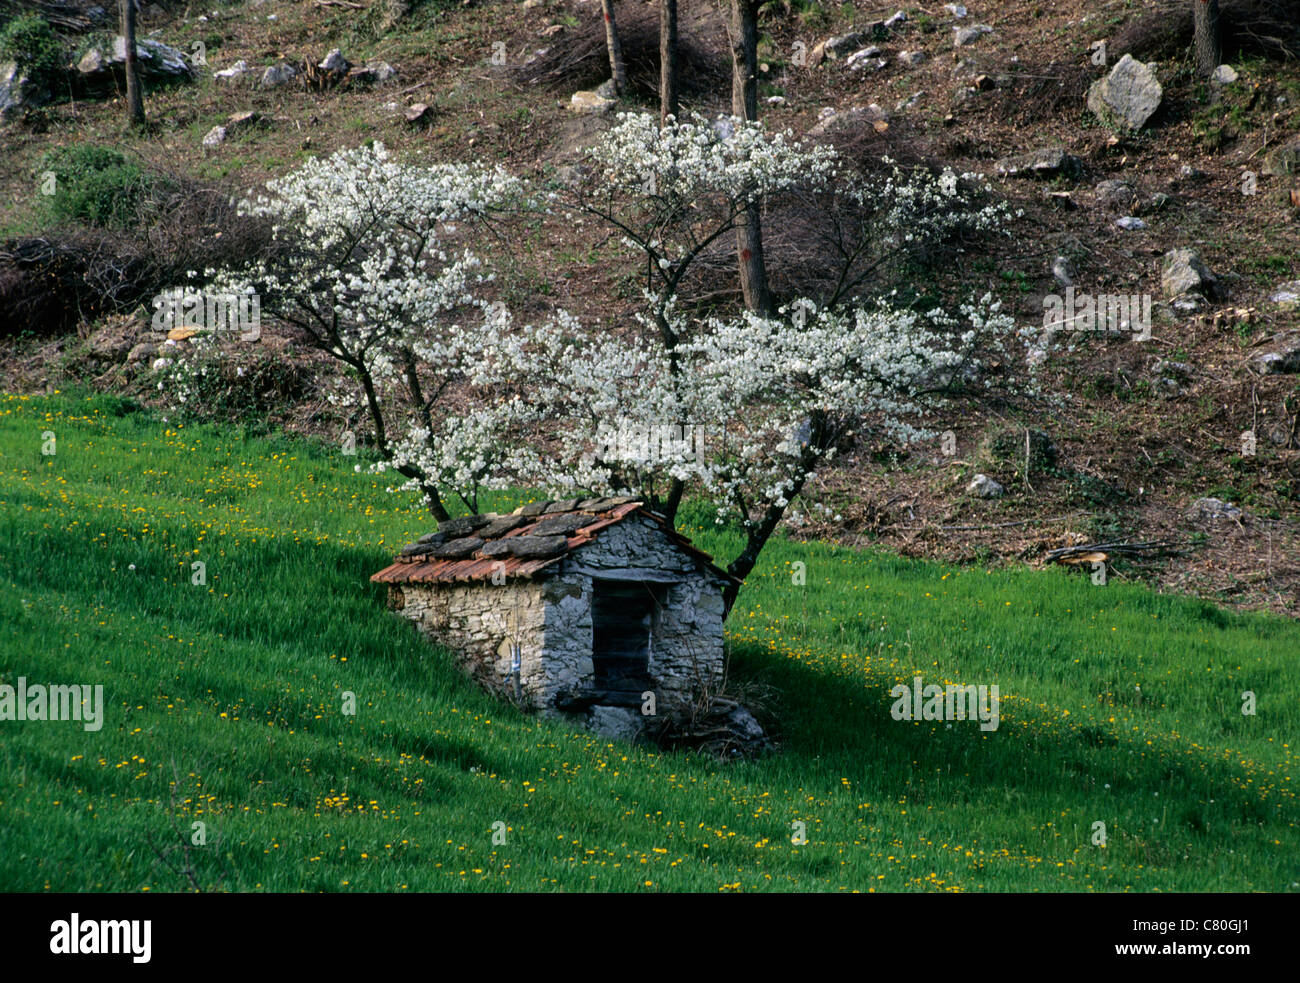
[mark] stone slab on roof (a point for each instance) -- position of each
(525, 543)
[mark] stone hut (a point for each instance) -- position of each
(576, 606)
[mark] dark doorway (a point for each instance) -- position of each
(623, 616)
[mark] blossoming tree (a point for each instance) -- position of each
(742, 409)
(773, 397)
(365, 267)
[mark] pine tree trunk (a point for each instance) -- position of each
(617, 70)
(1205, 23)
(668, 105)
(134, 97)
(744, 103)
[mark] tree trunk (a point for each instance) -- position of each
(1205, 23)
(668, 105)
(760, 532)
(617, 70)
(744, 103)
(134, 97)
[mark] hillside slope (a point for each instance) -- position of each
(223, 705)
(1148, 429)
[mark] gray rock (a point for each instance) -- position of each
(499, 527)
(956, 9)
(1171, 377)
(590, 102)
(985, 487)
(561, 525)
(215, 136)
(911, 57)
(154, 58)
(1063, 271)
(1129, 95)
(278, 75)
(1158, 202)
(905, 104)
(335, 62)
(17, 92)
(1224, 75)
(565, 505)
(1174, 370)
(374, 72)
(1284, 358)
(416, 549)
(865, 59)
(1115, 195)
(1213, 509)
(141, 352)
(836, 124)
(1283, 160)
(418, 112)
(464, 525)
(839, 47)
(1183, 272)
(156, 61)
(535, 547)
(1277, 363)
(238, 70)
(1047, 162)
(1130, 223)
(607, 89)
(1287, 295)
(745, 727)
(615, 723)
(898, 17)
(963, 36)
(457, 549)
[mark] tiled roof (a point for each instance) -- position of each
(523, 543)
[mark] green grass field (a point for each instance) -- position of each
(223, 704)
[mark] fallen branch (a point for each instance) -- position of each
(1094, 552)
(992, 525)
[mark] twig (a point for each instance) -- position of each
(418, 85)
(1027, 484)
(1130, 550)
(995, 525)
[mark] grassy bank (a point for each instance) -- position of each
(223, 706)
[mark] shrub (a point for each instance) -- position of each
(211, 379)
(94, 185)
(114, 234)
(32, 43)
(1009, 447)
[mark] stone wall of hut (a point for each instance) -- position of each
(551, 620)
